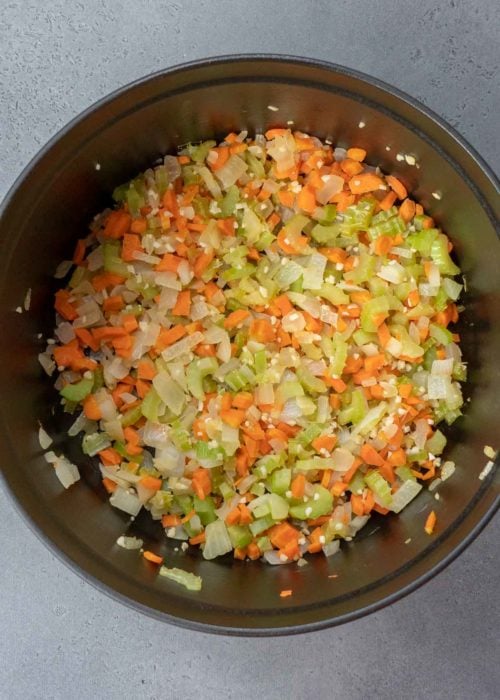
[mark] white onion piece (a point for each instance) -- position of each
(231, 171)
(173, 168)
(114, 429)
(65, 332)
(95, 259)
(167, 279)
(129, 542)
(264, 394)
(126, 501)
(406, 493)
(182, 346)
(331, 548)
(62, 269)
(342, 459)
(442, 367)
(44, 439)
(46, 361)
(420, 434)
(66, 472)
(332, 186)
(293, 322)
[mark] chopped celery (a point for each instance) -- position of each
(152, 406)
(196, 373)
(261, 525)
(356, 410)
(373, 310)
(311, 384)
(185, 578)
(240, 535)
(279, 481)
(319, 503)
(94, 443)
(325, 234)
(79, 391)
(436, 443)
(440, 255)
(380, 487)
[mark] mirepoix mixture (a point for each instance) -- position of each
(255, 344)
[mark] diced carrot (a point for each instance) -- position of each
(243, 400)
(202, 262)
(324, 442)
(383, 244)
(298, 486)
(261, 330)
(168, 336)
(151, 483)
(139, 226)
(430, 523)
(170, 520)
(286, 198)
(183, 304)
(146, 369)
(202, 482)
(110, 457)
(397, 186)
(113, 304)
(370, 456)
(233, 417)
(283, 533)
(109, 485)
(152, 557)
(169, 263)
(233, 517)
(253, 550)
(365, 182)
(63, 306)
(291, 246)
(198, 539)
(222, 157)
(375, 362)
(306, 199)
(79, 254)
(106, 280)
(351, 167)
(386, 203)
(117, 224)
(235, 318)
(91, 408)
(358, 154)
(131, 244)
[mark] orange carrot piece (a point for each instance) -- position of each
(233, 417)
(183, 304)
(430, 523)
(397, 186)
(365, 182)
(324, 442)
(152, 557)
(131, 244)
(117, 224)
(151, 483)
(235, 318)
(91, 408)
(358, 154)
(407, 210)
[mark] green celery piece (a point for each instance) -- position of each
(196, 373)
(260, 362)
(459, 372)
(357, 217)
(185, 578)
(356, 410)
(120, 193)
(98, 379)
(229, 201)
(357, 483)
(161, 179)
(94, 443)
(185, 503)
(261, 525)
(332, 293)
(440, 334)
(111, 253)
(340, 356)
(328, 214)
(441, 300)
(441, 256)
(264, 544)
(307, 435)
(132, 416)
(422, 240)
(436, 443)
(325, 234)
(205, 509)
(251, 226)
(226, 491)
(267, 464)
(365, 269)
(313, 508)
(135, 200)
(380, 487)
(311, 384)
(78, 276)
(255, 165)
(404, 473)
(235, 273)
(279, 481)
(289, 390)
(258, 489)
(240, 535)
(198, 153)
(79, 391)
(296, 224)
(180, 437)
(373, 307)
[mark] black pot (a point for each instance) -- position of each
(50, 206)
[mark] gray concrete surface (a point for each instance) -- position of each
(59, 637)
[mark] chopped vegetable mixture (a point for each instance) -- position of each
(255, 344)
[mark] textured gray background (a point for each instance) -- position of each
(59, 637)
